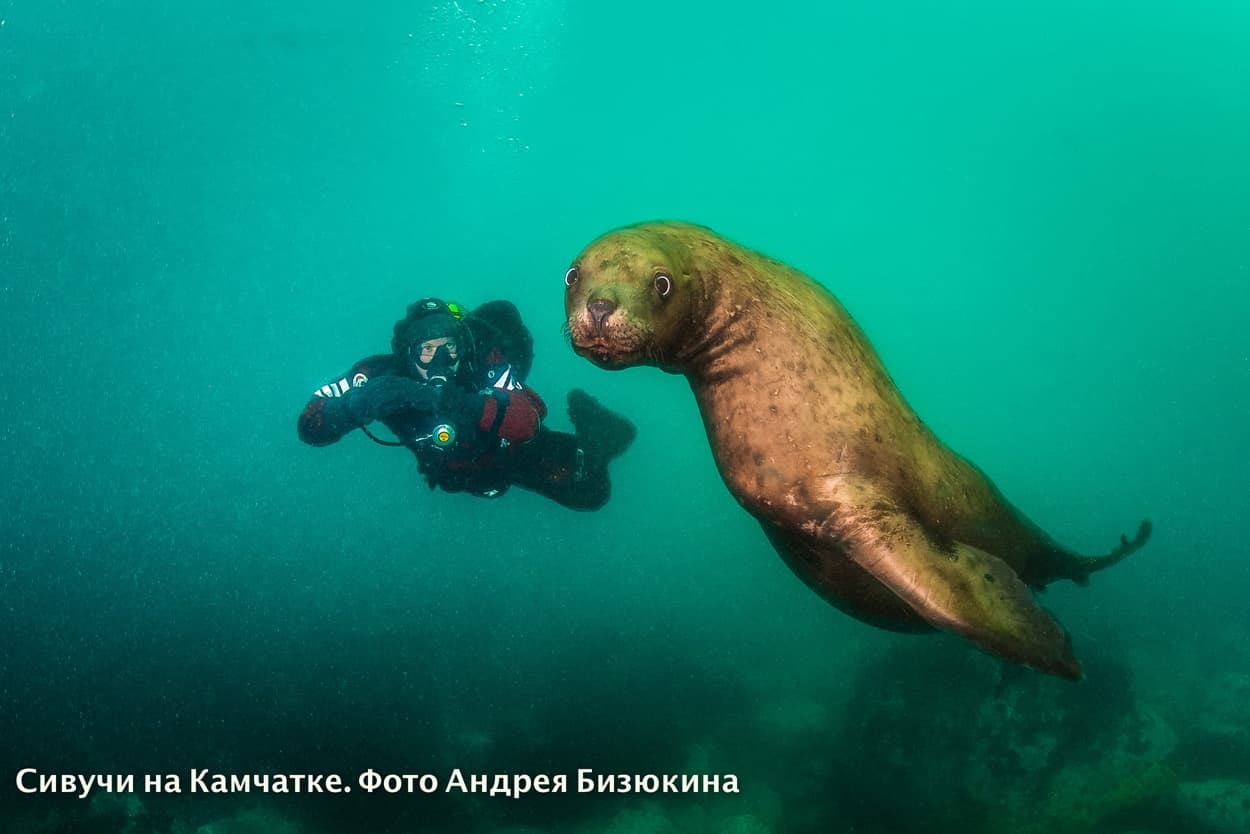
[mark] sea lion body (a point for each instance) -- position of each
(813, 438)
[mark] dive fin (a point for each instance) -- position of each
(602, 433)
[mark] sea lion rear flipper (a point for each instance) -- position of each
(954, 586)
(1081, 567)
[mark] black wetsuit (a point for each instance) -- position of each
(499, 439)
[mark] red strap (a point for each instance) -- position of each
(489, 412)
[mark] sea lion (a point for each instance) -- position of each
(812, 437)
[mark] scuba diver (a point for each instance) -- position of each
(452, 391)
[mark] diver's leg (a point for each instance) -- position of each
(573, 469)
(553, 464)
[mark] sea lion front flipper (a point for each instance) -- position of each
(953, 586)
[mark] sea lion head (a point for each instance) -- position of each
(631, 295)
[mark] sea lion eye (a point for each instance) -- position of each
(663, 284)
(570, 277)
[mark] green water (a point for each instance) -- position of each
(1039, 213)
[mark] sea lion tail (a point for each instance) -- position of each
(603, 434)
(1086, 566)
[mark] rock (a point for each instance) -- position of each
(1221, 806)
(974, 751)
(254, 821)
(645, 819)
(790, 719)
(1222, 737)
(744, 824)
(123, 805)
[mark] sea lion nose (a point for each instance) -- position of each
(599, 309)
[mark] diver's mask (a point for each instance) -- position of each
(436, 360)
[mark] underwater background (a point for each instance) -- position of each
(1038, 212)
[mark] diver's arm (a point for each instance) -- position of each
(328, 416)
(505, 408)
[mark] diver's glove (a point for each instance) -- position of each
(462, 407)
(382, 396)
